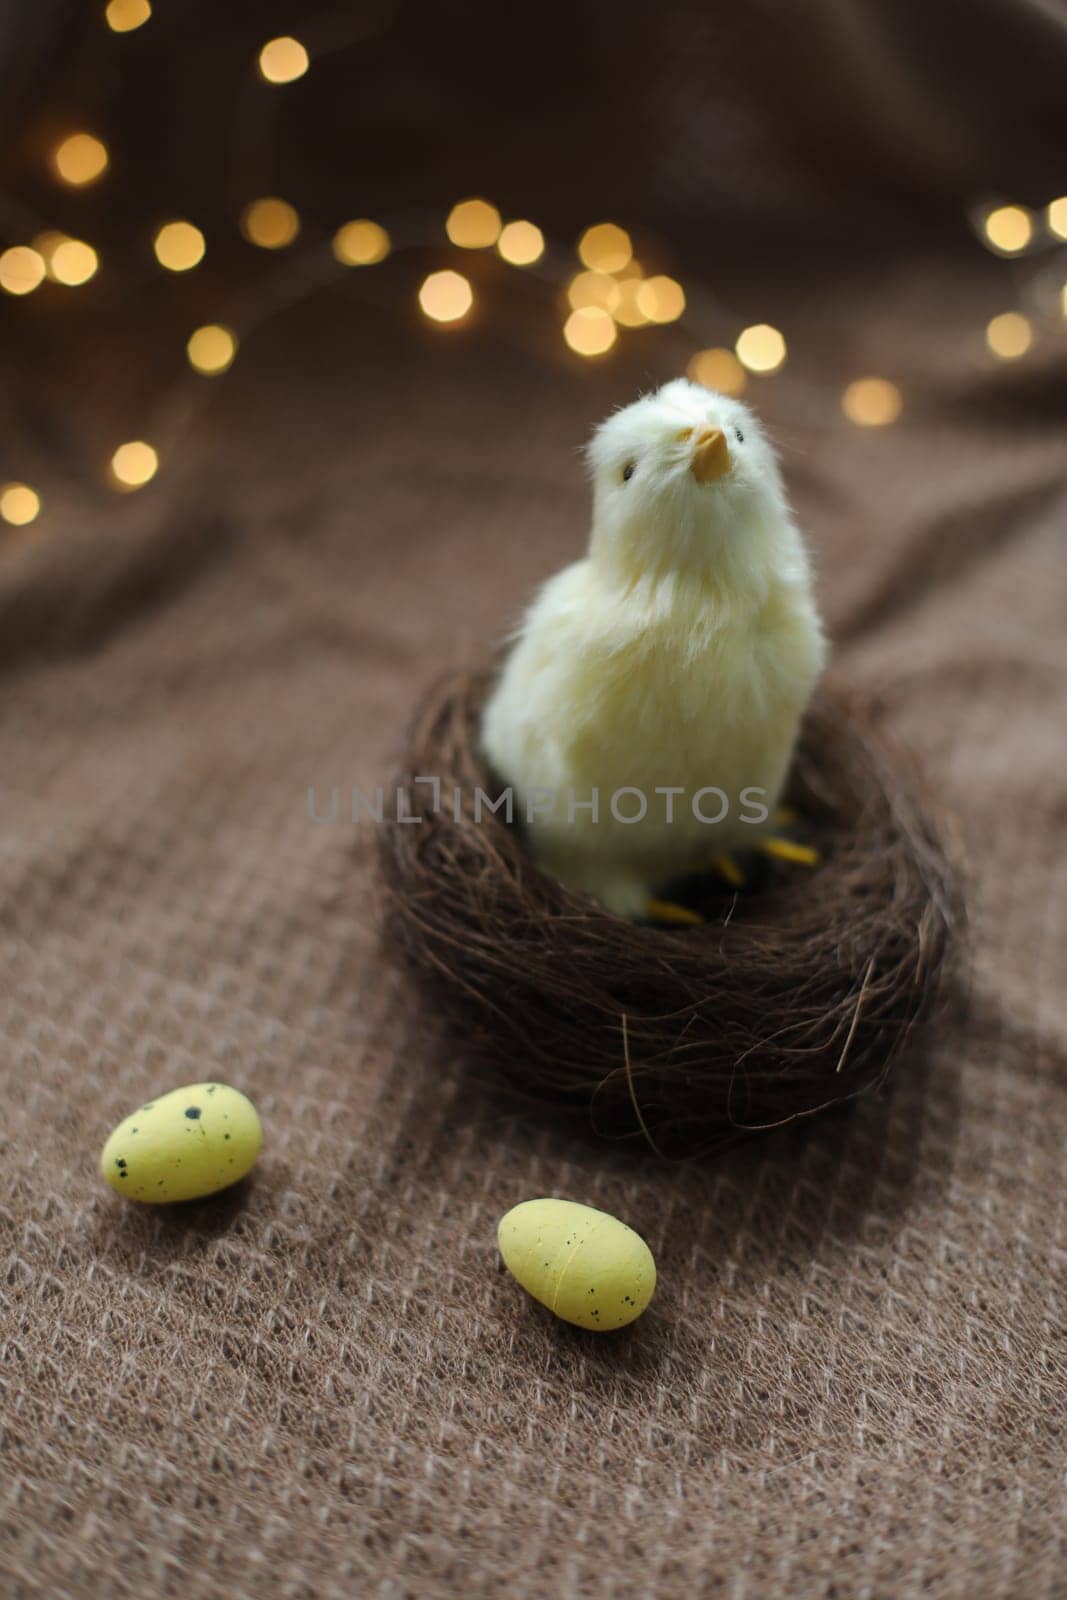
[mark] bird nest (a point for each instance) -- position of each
(797, 992)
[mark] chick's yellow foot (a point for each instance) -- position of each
(729, 871)
(801, 855)
(667, 911)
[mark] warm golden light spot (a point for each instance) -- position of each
(628, 311)
(1056, 217)
(360, 243)
(211, 349)
(179, 246)
(473, 224)
(19, 504)
(46, 245)
(605, 247)
(761, 348)
(270, 223)
(73, 262)
(80, 159)
(283, 60)
(589, 331)
(718, 369)
(1009, 229)
(872, 402)
(21, 269)
(661, 299)
(1009, 335)
(521, 243)
(133, 464)
(446, 296)
(593, 289)
(125, 15)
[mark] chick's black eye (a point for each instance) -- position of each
(740, 436)
(628, 471)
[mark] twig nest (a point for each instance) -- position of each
(796, 993)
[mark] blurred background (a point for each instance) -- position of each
(877, 189)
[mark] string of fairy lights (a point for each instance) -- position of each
(604, 294)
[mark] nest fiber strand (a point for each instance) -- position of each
(795, 994)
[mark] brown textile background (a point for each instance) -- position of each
(852, 1379)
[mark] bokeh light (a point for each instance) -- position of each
(1009, 229)
(79, 159)
(19, 504)
(73, 262)
(21, 269)
(179, 246)
(123, 16)
(133, 465)
(605, 247)
(46, 244)
(1009, 335)
(521, 243)
(1056, 217)
(661, 299)
(446, 296)
(718, 369)
(211, 349)
(270, 223)
(628, 311)
(589, 331)
(872, 402)
(282, 60)
(593, 289)
(360, 243)
(761, 348)
(473, 224)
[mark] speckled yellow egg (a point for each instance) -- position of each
(585, 1266)
(188, 1143)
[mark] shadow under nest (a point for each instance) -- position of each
(797, 992)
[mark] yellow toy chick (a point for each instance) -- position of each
(646, 714)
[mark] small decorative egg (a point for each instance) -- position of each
(585, 1266)
(188, 1143)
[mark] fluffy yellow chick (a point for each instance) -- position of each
(675, 660)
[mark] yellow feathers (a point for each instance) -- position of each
(673, 663)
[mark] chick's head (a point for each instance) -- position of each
(684, 478)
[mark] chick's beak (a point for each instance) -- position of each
(711, 456)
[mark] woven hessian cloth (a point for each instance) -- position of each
(851, 1381)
